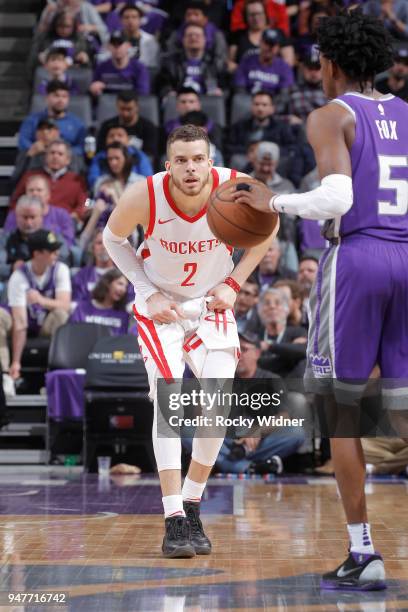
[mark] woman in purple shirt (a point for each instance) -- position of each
(107, 305)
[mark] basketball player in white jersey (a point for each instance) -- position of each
(185, 285)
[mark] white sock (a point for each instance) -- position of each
(173, 505)
(192, 491)
(360, 538)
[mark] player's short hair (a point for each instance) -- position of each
(359, 44)
(187, 133)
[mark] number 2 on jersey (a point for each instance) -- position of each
(400, 186)
(191, 269)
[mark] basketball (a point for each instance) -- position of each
(238, 225)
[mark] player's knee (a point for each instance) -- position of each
(205, 450)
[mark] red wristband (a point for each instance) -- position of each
(231, 282)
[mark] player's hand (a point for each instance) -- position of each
(257, 197)
(223, 297)
(163, 310)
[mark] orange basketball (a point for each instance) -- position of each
(238, 225)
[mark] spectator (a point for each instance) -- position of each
(245, 311)
(103, 7)
(56, 65)
(283, 347)
(196, 13)
(310, 17)
(63, 33)
(55, 218)
(187, 101)
(143, 134)
(90, 22)
(265, 164)
(270, 268)
(307, 94)
(308, 267)
(217, 12)
(293, 292)
(396, 81)
(34, 158)
(39, 294)
(276, 12)
(109, 187)
(199, 118)
(191, 67)
(121, 71)
(29, 217)
(263, 70)
(249, 39)
(153, 22)
(121, 170)
(107, 305)
(67, 189)
(262, 124)
(394, 14)
(71, 128)
(86, 278)
(264, 453)
(386, 455)
(144, 46)
(118, 134)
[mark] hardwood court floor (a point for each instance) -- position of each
(99, 541)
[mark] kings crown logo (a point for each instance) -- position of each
(321, 365)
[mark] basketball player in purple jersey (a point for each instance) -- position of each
(359, 314)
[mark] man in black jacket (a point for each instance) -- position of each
(143, 133)
(192, 66)
(259, 126)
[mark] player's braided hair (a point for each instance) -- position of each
(360, 45)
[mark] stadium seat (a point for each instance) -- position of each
(213, 106)
(148, 105)
(241, 107)
(79, 105)
(82, 77)
(72, 343)
(118, 411)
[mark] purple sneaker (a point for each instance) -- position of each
(359, 572)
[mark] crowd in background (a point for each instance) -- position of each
(257, 61)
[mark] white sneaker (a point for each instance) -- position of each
(8, 386)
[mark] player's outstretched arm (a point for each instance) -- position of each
(330, 130)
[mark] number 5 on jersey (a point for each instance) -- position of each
(399, 186)
(190, 269)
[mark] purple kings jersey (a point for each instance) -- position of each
(379, 158)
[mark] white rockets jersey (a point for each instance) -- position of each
(181, 254)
